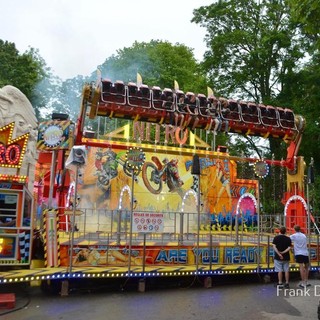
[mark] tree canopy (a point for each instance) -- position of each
(256, 51)
(159, 63)
(266, 51)
(251, 45)
(23, 71)
(307, 13)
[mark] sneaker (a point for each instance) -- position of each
(280, 285)
(286, 285)
(301, 285)
(308, 284)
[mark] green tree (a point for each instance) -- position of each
(303, 90)
(303, 87)
(23, 71)
(65, 96)
(159, 63)
(307, 13)
(252, 47)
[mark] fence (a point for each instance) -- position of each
(112, 241)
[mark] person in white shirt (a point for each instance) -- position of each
(301, 254)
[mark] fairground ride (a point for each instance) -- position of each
(143, 195)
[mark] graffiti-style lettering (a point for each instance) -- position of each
(208, 256)
(240, 255)
(174, 255)
(204, 163)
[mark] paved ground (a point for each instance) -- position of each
(166, 299)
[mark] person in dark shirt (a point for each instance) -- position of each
(181, 108)
(281, 246)
(193, 109)
(167, 104)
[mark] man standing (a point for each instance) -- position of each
(281, 246)
(301, 255)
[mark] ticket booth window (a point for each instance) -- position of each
(8, 209)
(15, 226)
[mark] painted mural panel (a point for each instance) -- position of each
(165, 184)
(158, 255)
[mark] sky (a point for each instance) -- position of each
(74, 37)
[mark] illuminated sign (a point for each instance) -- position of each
(135, 158)
(261, 169)
(12, 150)
(54, 134)
(7, 247)
(11, 178)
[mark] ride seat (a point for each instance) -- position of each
(254, 112)
(133, 89)
(290, 118)
(132, 94)
(188, 96)
(106, 85)
(286, 118)
(234, 110)
(203, 105)
(106, 90)
(180, 107)
(145, 91)
(119, 92)
(202, 100)
(166, 93)
(119, 87)
(213, 107)
(224, 108)
(156, 97)
(249, 112)
(144, 96)
(269, 116)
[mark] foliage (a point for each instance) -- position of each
(250, 46)
(307, 13)
(255, 52)
(23, 71)
(159, 63)
(67, 97)
(303, 90)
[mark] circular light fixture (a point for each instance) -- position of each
(261, 169)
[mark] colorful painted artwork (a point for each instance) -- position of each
(165, 184)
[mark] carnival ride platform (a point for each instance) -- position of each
(210, 255)
(111, 272)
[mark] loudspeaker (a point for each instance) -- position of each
(89, 134)
(77, 157)
(195, 165)
(222, 149)
(310, 175)
(59, 116)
